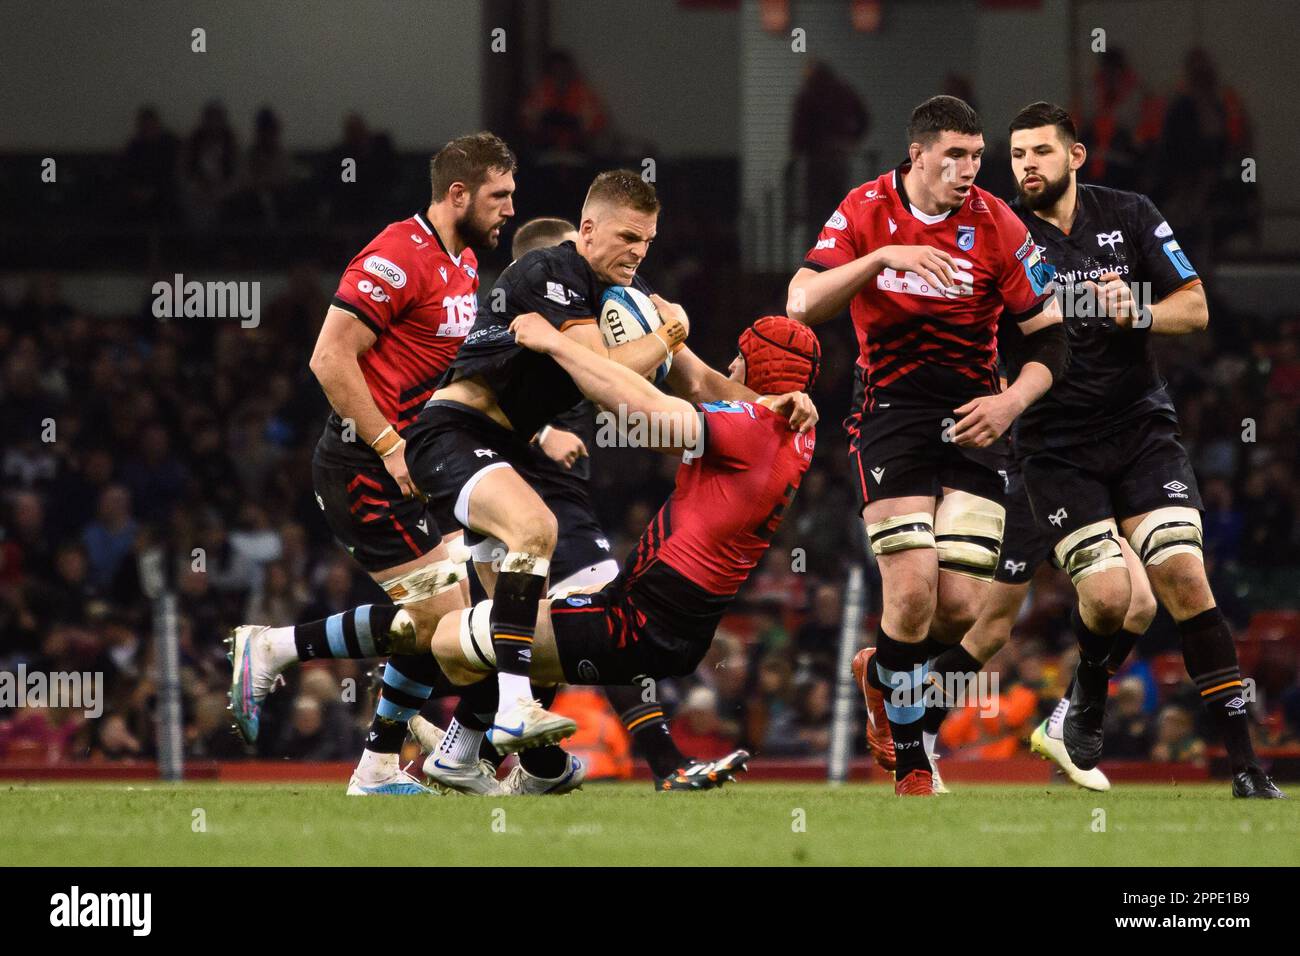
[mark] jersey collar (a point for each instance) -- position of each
(924, 217)
(428, 227)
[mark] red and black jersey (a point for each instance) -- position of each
(730, 497)
(420, 301)
(921, 345)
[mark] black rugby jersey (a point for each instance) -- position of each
(1112, 378)
(531, 388)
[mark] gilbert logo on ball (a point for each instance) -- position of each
(627, 314)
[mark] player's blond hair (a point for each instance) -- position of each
(621, 187)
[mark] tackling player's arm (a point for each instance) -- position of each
(642, 355)
(343, 338)
(697, 382)
(610, 384)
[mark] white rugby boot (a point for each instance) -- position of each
(520, 783)
(527, 724)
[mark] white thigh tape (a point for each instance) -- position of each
(428, 580)
(476, 637)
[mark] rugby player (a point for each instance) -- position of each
(1100, 453)
(742, 464)
(470, 443)
(402, 309)
(929, 264)
(559, 473)
(1024, 549)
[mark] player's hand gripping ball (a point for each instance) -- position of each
(627, 314)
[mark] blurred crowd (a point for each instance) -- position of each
(124, 434)
(128, 433)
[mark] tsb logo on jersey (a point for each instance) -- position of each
(390, 273)
(460, 310)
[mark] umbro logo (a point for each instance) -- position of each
(1060, 515)
(1236, 703)
(878, 474)
(1014, 567)
(484, 453)
(1175, 489)
(526, 654)
(1109, 238)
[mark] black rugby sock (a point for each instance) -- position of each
(648, 726)
(902, 675)
(358, 633)
(513, 619)
(408, 684)
(953, 664)
(1211, 660)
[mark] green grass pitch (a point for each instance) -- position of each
(629, 824)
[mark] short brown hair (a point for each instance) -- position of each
(622, 187)
(538, 234)
(941, 114)
(1046, 114)
(469, 160)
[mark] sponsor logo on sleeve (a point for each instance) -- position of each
(385, 270)
(837, 221)
(1026, 247)
(1179, 259)
(374, 291)
(1163, 231)
(1039, 273)
(825, 244)
(558, 293)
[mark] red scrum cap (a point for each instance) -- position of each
(781, 355)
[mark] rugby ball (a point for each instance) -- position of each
(627, 314)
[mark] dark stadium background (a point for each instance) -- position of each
(198, 433)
